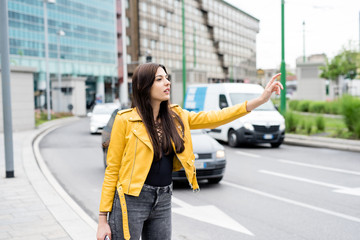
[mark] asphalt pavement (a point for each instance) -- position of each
(33, 205)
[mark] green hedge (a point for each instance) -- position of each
(333, 107)
(351, 113)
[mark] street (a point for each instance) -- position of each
(286, 193)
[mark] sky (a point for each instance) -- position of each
(330, 25)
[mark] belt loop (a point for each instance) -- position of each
(124, 213)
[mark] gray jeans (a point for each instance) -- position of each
(149, 215)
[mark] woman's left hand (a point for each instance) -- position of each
(272, 86)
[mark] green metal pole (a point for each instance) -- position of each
(184, 51)
(283, 69)
(194, 48)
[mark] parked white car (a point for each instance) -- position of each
(100, 116)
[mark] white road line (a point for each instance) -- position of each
(320, 167)
(300, 204)
(302, 179)
(247, 154)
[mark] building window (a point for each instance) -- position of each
(161, 29)
(143, 6)
(127, 41)
(153, 10)
(127, 22)
(153, 44)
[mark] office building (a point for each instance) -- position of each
(87, 45)
(220, 38)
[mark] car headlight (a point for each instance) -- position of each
(249, 126)
(220, 154)
(282, 126)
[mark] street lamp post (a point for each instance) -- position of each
(183, 51)
(6, 90)
(45, 2)
(283, 70)
(60, 33)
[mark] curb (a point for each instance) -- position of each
(74, 220)
(322, 142)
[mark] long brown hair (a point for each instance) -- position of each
(143, 79)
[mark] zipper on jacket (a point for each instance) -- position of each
(132, 170)
(187, 176)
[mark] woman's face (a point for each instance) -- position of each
(160, 90)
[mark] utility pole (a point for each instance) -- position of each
(304, 58)
(45, 2)
(60, 33)
(283, 69)
(6, 93)
(183, 51)
(123, 88)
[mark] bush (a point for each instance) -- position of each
(293, 104)
(290, 122)
(309, 126)
(320, 123)
(351, 112)
(317, 107)
(333, 107)
(303, 106)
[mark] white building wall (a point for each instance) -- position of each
(22, 99)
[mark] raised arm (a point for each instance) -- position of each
(272, 86)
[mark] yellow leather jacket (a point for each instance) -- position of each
(130, 152)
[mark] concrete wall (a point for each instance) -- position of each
(309, 85)
(22, 99)
(73, 92)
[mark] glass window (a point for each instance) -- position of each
(153, 44)
(242, 97)
(153, 10)
(128, 59)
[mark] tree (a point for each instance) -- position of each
(343, 64)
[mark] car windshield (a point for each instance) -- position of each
(104, 109)
(242, 97)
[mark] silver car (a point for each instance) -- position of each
(210, 161)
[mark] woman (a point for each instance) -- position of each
(148, 142)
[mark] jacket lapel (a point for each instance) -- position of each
(140, 130)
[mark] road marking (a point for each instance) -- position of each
(320, 167)
(300, 204)
(209, 214)
(247, 154)
(338, 188)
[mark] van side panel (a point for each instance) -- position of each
(195, 98)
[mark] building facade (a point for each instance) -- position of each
(87, 47)
(220, 39)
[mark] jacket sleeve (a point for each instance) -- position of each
(114, 156)
(213, 119)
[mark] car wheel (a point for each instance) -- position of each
(276, 145)
(104, 156)
(215, 180)
(232, 138)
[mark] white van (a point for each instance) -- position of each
(263, 125)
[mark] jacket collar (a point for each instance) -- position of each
(134, 115)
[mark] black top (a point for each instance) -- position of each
(160, 173)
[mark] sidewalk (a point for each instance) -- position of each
(31, 208)
(322, 142)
